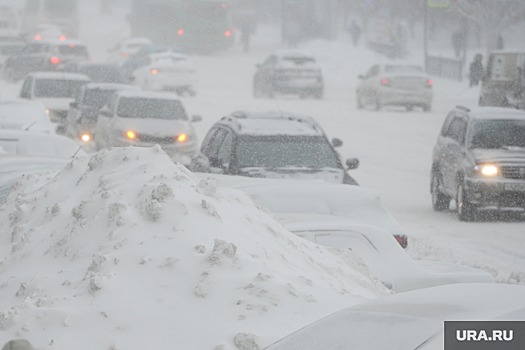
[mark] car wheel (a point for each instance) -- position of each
(318, 95)
(466, 210)
(410, 108)
(426, 108)
(440, 201)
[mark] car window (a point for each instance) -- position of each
(446, 124)
(97, 98)
(226, 149)
(285, 151)
(270, 61)
(212, 148)
(457, 130)
(372, 72)
(493, 134)
(26, 88)
(151, 108)
(57, 88)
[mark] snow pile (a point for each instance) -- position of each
(126, 250)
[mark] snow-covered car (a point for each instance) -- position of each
(316, 197)
(45, 56)
(55, 90)
(82, 116)
(20, 114)
(45, 32)
(272, 144)
(395, 85)
(140, 58)
(141, 118)
(166, 71)
(379, 251)
(288, 72)
(8, 49)
(412, 320)
(479, 160)
(25, 152)
(100, 72)
(504, 82)
(127, 48)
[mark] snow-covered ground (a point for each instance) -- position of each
(112, 263)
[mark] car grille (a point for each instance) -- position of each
(513, 172)
(154, 139)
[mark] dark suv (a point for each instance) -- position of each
(51, 55)
(479, 160)
(272, 144)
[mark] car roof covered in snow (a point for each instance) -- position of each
(130, 93)
(272, 123)
(490, 113)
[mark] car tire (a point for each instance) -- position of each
(427, 108)
(466, 210)
(318, 94)
(440, 201)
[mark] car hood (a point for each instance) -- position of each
(499, 155)
(56, 104)
(326, 174)
(154, 127)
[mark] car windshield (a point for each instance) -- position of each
(283, 151)
(492, 134)
(156, 108)
(403, 69)
(61, 88)
(103, 74)
(97, 98)
(73, 50)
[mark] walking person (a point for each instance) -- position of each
(476, 70)
(355, 32)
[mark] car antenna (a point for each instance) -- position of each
(29, 126)
(74, 154)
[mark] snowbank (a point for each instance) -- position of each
(127, 251)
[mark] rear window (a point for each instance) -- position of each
(155, 108)
(73, 50)
(57, 88)
(298, 60)
(403, 69)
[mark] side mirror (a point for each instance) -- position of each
(352, 163)
(73, 104)
(61, 129)
(215, 163)
(337, 142)
(131, 78)
(196, 118)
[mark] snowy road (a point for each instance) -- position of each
(394, 146)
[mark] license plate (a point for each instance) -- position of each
(515, 187)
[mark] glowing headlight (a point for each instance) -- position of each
(86, 137)
(182, 137)
(130, 134)
(488, 169)
(48, 111)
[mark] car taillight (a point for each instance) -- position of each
(130, 134)
(154, 71)
(54, 60)
(228, 33)
(385, 82)
(429, 83)
(182, 138)
(402, 240)
(180, 32)
(124, 54)
(38, 37)
(62, 38)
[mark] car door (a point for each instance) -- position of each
(453, 151)
(265, 72)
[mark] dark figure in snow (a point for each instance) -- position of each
(18, 344)
(458, 42)
(476, 70)
(355, 32)
(246, 32)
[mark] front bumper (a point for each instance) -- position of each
(500, 194)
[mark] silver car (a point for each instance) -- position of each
(397, 85)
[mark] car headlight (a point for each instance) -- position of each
(182, 138)
(130, 135)
(86, 137)
(487, 170)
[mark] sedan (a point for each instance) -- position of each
(395, 85)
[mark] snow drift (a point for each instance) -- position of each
(127, 250)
